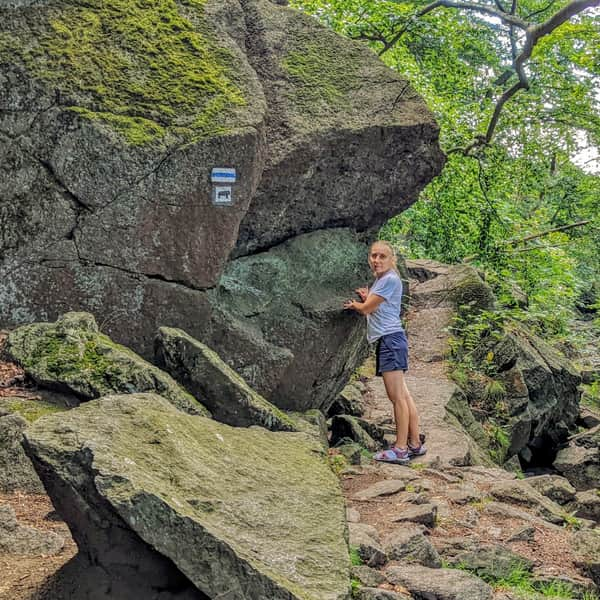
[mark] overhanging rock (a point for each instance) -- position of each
(107, 147)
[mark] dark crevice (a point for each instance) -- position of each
(63, 188)
(152, 276)
(260, 249)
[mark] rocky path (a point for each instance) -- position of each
(408, 523)
(427, 379)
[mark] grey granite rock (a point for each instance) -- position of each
(155, 496)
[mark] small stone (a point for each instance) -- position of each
(586, 544)
(588, 505)
(464, 494)
(352, 451)
(493, 562)
(352, 515)
(396, 471)
(18, 539)
(485, 474)
(588, 418)
(345, 426)
(525, 534)
(349, 402)
(366, 540)
(449, 547)
(410, 545)
(357, 529)
(443, 508)
(413, 498)
(367, 576)
(439, 584)
(470, 519)
(520, 492)
(506, 511)
(386, 487)
(557, 488)
(441, 475)
(425, 514)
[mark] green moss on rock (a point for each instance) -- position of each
(228, 396)
(242, 512)
(72, 354)
(30, 410)
(321, 79)
(141, 67)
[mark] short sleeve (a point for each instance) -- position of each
(386, 287)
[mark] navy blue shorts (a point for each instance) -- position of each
(392, 353)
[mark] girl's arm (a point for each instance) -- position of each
(366, 307)
(363, 292)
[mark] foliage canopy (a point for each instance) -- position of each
(515, 158)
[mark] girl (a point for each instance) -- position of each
(381, 305)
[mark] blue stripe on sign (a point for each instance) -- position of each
(228, 175)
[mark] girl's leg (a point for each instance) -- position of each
(396, 392)
(413, 417)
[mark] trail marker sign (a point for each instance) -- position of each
(222, 195)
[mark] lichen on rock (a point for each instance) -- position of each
(145, 69)
(72, 354)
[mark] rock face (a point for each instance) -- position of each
(73, 355)
(107, 148)
(541, 386)
(151, 493)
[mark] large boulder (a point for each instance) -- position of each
(73, 355)
(107, 150)
(230, 399)
(541, 386)
(150, 492)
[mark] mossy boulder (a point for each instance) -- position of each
(201, 371)
(73, 355)
(455, 286)
(245, 512)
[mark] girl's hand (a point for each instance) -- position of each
(362, 292)
(349, 304)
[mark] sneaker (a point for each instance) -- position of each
(397, 456)
(417, 450)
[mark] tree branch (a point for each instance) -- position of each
(543, 233)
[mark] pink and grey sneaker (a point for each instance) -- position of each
(419, 450)
(396, 456)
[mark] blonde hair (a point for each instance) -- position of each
(392, 251)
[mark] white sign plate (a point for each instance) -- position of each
(223, 194)
(223, 175)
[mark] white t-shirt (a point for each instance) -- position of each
(386, 317)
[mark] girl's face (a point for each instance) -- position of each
(381, 259)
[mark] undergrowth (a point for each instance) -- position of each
(520, 583)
